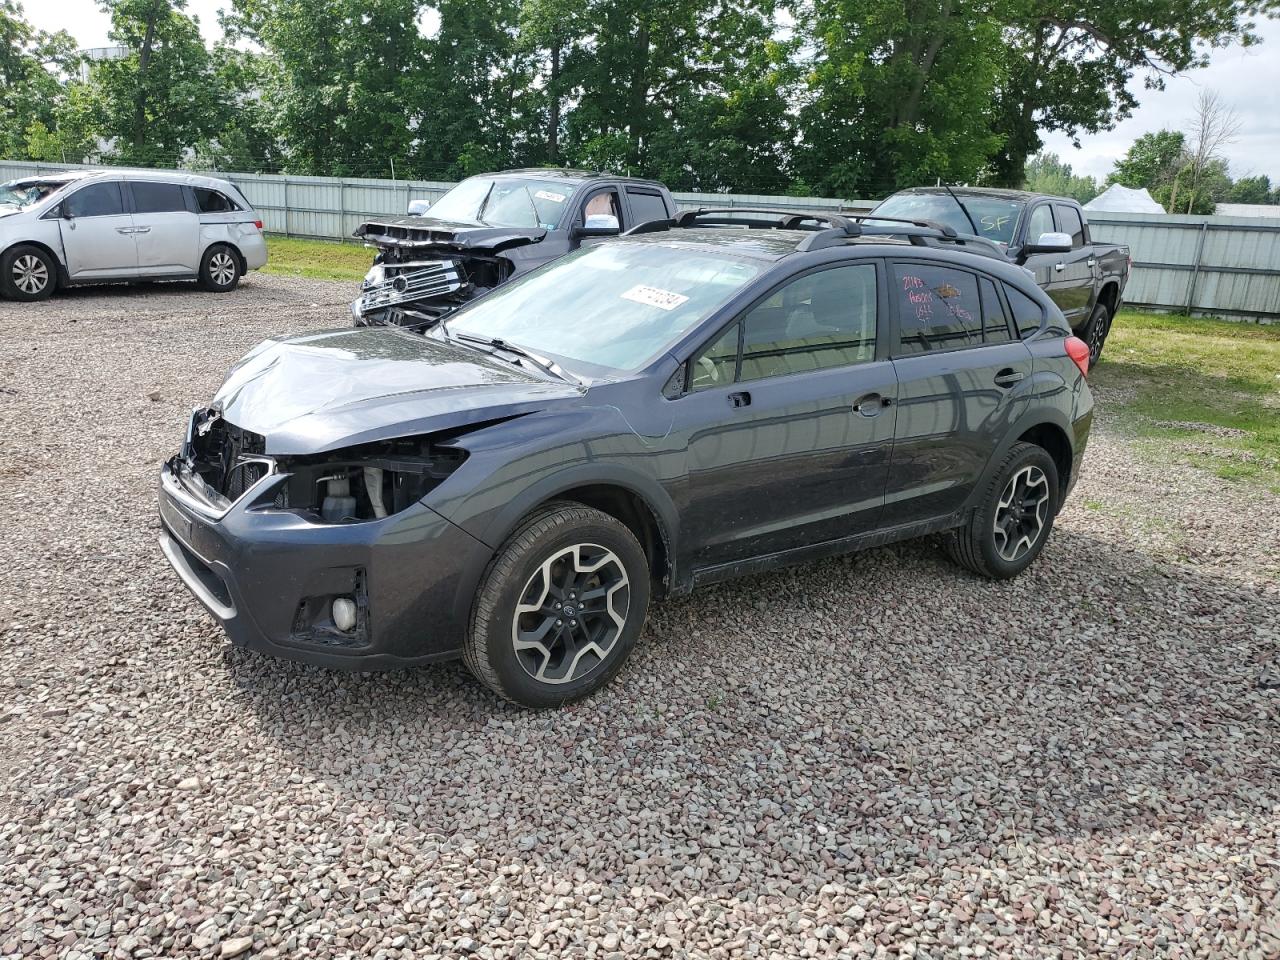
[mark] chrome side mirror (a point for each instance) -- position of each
(1050, 243)
(418, 207)
(599, 225)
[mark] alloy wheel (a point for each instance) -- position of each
(1021, 513)
(222, 268)
(30, 275)
(1097, 334)
(570, 613)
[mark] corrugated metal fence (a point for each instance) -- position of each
(1223, 266)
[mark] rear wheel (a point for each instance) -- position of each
(559, 608)
(1095, 332)
(220, 269)
(27, 273)
(1009, 528)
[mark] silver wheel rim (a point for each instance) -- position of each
(30, 275)
(571, 613)
(1021, 513)
(222, 268)
(1096, 336)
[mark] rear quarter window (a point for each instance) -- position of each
(214, 201)
(1027, 314)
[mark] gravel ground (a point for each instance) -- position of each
(878, 756)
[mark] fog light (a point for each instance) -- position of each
(344, 614)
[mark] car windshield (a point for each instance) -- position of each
(995, 217)
(23, 193)
(504, 202)
(610, 307)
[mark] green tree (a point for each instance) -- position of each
(1152, 161)
(1046, 173)
(343, 83)
(152, 105)
(898, 93)
(1069, 65)
(33, 65)
(1251, 190)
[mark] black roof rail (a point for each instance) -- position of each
(840, 227)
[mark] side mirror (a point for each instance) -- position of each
(1049, 243)
(418, 207)
(599, 225)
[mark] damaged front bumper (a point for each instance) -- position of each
(270, 576)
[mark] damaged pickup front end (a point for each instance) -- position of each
(427, 268)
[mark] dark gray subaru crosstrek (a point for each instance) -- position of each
(702, 398)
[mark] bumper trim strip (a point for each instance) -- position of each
(179, 563)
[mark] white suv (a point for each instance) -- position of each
(98, 226)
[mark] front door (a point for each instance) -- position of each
(1050, 269)
(788, 418)
(97, 233)
(1075, 279)
(166, 232)
(963, 379)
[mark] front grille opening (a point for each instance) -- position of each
(227, 459)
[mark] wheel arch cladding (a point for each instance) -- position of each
(59, 268)
(1109, 295)
(1053, 440)
(635, 513)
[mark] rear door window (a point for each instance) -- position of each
(149, 197)
(646, 206)
(96, 200)
(995, 325)
(938, 308)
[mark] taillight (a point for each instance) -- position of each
(1078, 351)
(258, 224)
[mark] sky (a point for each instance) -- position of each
(1249, 81)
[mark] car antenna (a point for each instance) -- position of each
(964, 209)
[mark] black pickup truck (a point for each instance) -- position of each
(1049, 236)
(490, 228)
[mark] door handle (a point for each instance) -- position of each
(124, 229)
(871, 404)
(141, 229)
(1008, 377)
(1092, 262)
(740, 399)
(1059, 266)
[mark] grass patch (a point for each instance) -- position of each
(1205, 392)
(317, 259)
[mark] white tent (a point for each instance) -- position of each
(1118, 199)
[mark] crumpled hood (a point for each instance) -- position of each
(413, 232)
(325, 391)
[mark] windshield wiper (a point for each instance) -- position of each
(965, 211)
(485, 202)
(498, 344)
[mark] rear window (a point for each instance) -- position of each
(151, 197)
(1027, 315)
(214, 201)
(646, 206)
(938, 308)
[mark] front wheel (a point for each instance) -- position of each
(559, 608)
(1009, 528)
(27, 273)
(1095, 332)
(220, 269)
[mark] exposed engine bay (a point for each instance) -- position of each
(425, 269)
(221, 463)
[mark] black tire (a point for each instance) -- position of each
(220, 269)
(978, 546)
(1095, 332)
(27, 273)
(534, 566)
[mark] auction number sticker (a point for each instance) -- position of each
(655, 297)
(548, 195)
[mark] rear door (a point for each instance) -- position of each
(788, 414)
(165, 227)
(97, 233)
(962, 382)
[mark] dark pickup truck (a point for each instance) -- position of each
(1049, 236)
(490, 228)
